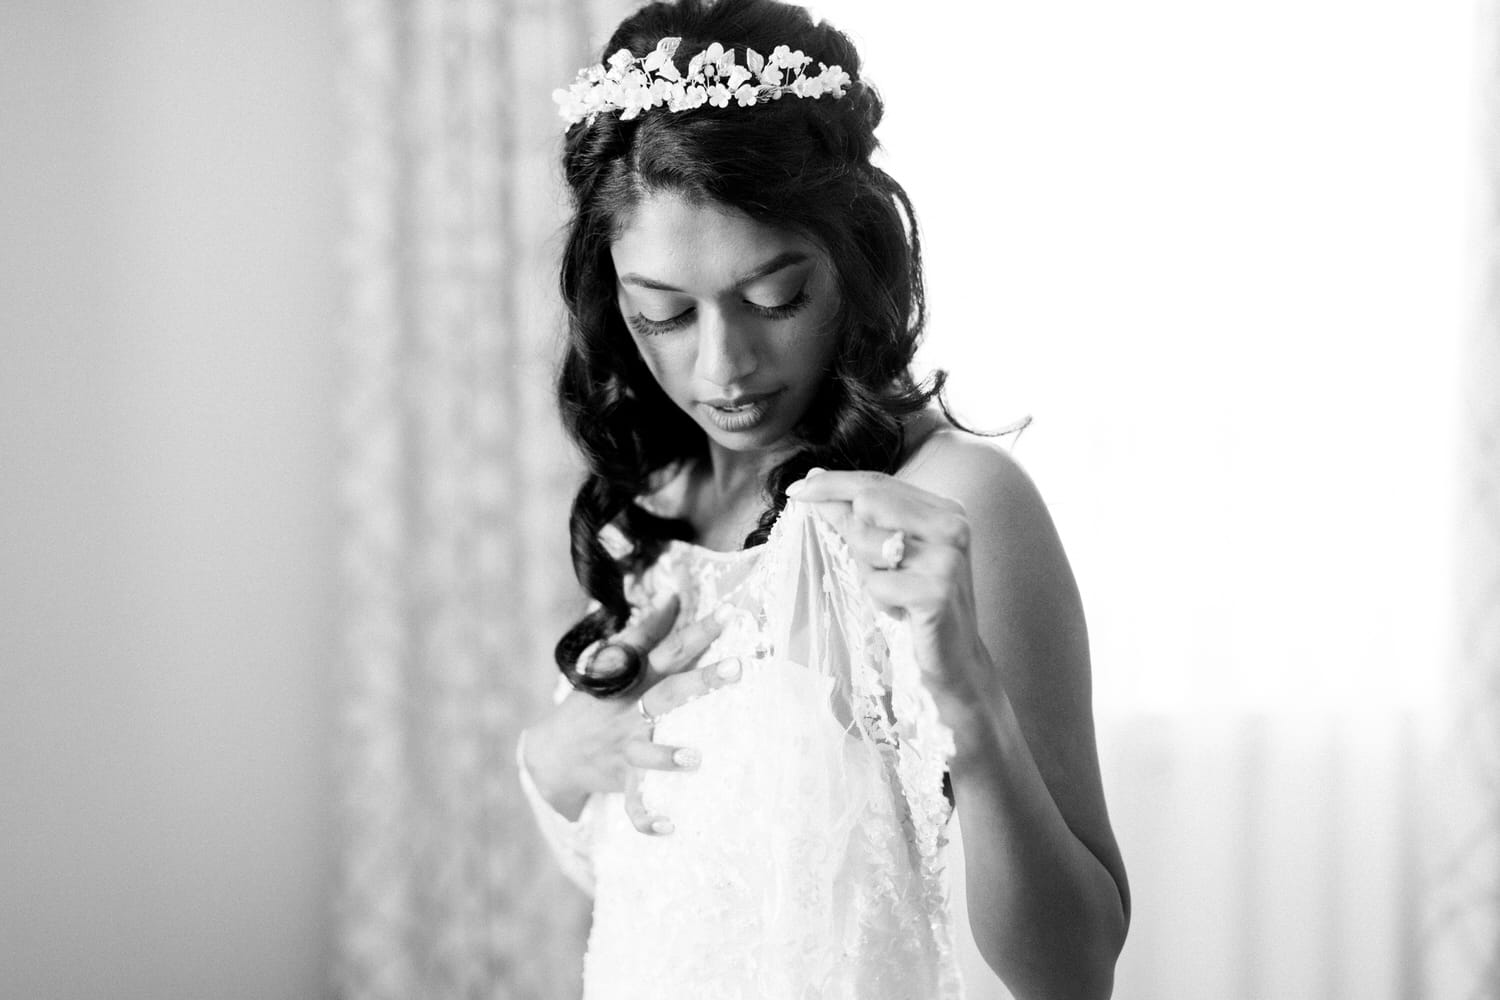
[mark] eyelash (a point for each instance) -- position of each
(656, 327)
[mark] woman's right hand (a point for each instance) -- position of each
(587, 745)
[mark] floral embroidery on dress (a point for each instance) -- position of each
(807, 859)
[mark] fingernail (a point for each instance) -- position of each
(724, 614)
(686, 758)
(728, 670)
(815, 470)
(662, 826)
(586, 658)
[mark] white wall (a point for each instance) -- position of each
(167, 287)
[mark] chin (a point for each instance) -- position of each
(758, 439)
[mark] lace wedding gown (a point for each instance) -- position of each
(806, 859)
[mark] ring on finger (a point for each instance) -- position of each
(893, 549)
(640, 706)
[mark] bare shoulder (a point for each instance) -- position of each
(983, 477)
(1030, 612)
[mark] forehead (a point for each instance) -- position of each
(697, 245)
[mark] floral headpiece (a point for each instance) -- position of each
(630, 85)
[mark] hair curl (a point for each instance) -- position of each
(796, 164)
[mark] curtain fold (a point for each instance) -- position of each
(1271, 854)
(1462, 941)
(455, 482)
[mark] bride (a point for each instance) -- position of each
(826, 619)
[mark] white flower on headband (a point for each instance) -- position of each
(630, 85)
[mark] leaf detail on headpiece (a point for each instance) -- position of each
(632, 85)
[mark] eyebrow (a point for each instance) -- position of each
(780, 262)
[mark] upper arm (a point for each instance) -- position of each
(1031, 621)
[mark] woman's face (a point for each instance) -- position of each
(734, 318)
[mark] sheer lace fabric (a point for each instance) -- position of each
(806, 861)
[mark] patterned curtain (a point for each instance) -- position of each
(455, 484)
(1463, 943)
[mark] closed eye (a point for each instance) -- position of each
(647, 327)
(787, 309)
(655, 327)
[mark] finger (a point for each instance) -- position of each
(679, 689)
(867, 543)
(924, 538)
(821, 486)
(907, 592)
(916, 512)
(868, 491)
(653, 624)
(640, 817)
(680, 650)
(656, 757)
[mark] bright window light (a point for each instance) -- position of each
(1217, 251)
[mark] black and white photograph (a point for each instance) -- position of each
(749, 500)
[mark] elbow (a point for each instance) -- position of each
(1096, 970)
(1081, 977)
(1073, 960)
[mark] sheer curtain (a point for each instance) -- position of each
(455, 484)
(1463, 927)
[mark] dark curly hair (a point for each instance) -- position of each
(797, 164)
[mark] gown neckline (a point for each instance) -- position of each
(719, 555)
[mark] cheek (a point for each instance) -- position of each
(819, 345)
(657, 358)
(823, 340)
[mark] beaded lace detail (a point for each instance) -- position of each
(807, 857)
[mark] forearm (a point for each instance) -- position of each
(568, 837)
(1046, 913)
(549, 780)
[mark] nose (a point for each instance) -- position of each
(726, 354)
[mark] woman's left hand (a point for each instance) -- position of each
(1010, 677)
(913, 549)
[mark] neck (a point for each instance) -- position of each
(735, 475)
(728, 496)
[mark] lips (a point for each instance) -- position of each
(740, 413)
(739, 402)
